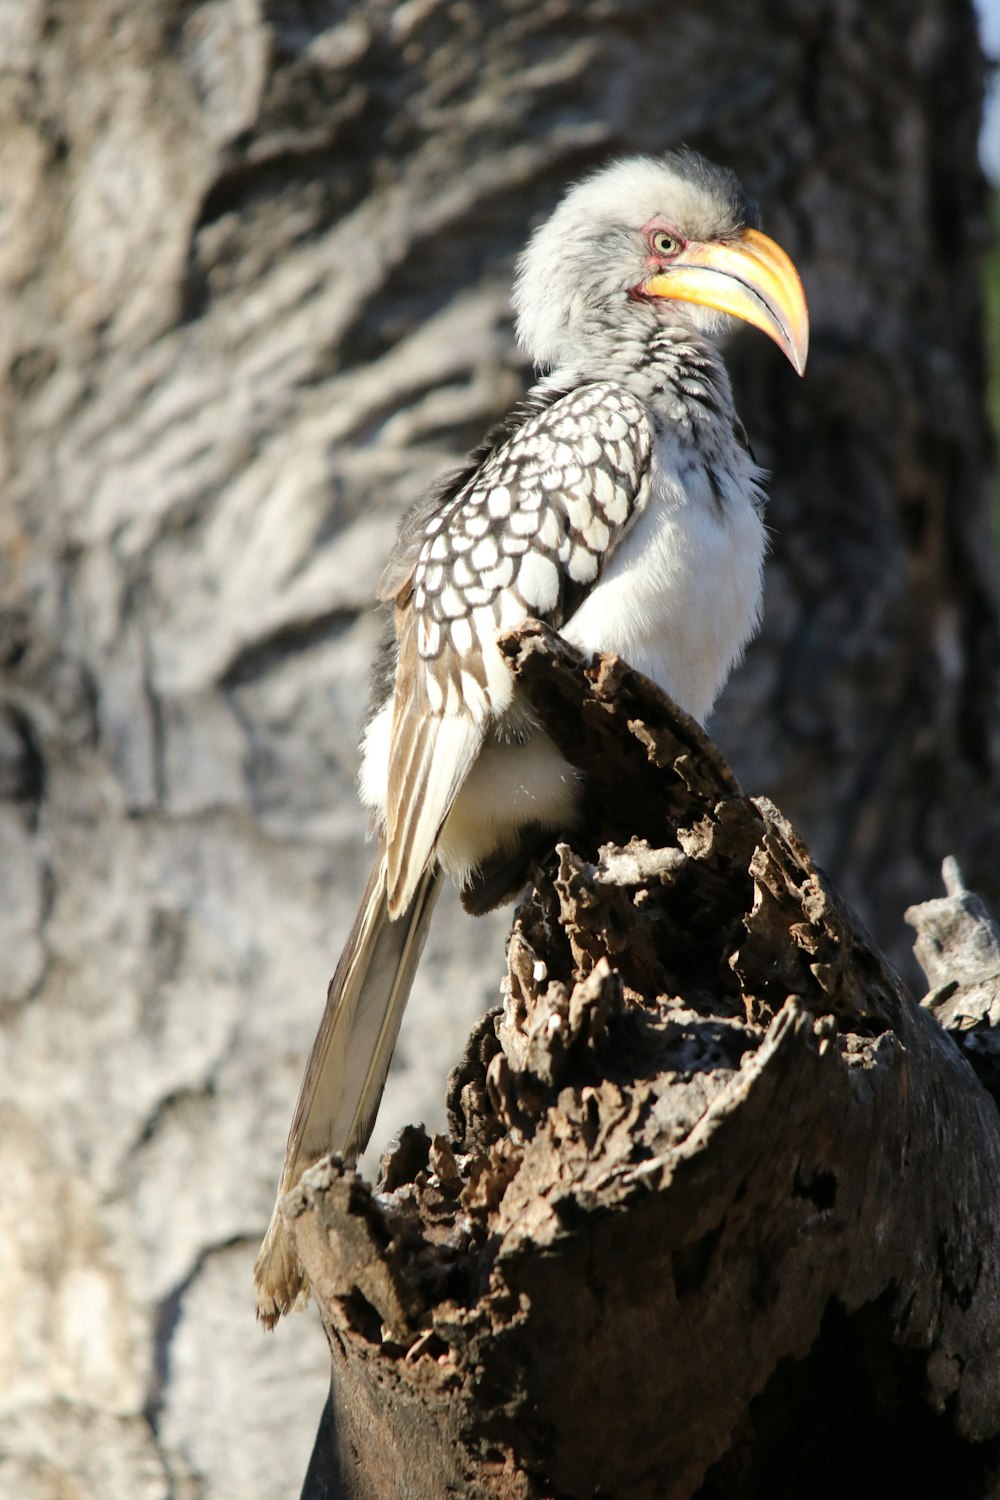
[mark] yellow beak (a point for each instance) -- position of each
(750, 278)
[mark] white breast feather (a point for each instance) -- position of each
(660, 602)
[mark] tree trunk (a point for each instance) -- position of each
(718, 1214)
(254, 272)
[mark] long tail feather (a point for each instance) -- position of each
(350, 1058)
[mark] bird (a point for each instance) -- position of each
(620, 503)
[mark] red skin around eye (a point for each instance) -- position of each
(655, 262)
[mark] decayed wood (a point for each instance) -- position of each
(711, 1174)
(958, 946)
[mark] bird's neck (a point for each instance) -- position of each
(676, 372)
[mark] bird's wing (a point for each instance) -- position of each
(527, 534)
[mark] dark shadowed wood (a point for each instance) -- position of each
(711, 1171)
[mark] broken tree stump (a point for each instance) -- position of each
(718, 1212)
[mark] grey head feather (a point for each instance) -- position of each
(573, 280)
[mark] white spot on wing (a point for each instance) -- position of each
(484, 554)
(611, 497)
(485, 623)
(500, 576)
(550, 532)
(462, 573)
(538, 581)
(512, 611)
(582, 566)
(598, 535)
(461, 635)
(450, 603)
(579, 512)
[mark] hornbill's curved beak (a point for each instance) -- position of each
(749, 277)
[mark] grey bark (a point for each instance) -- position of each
(712, 1177)
(958, 946)
(254, 263)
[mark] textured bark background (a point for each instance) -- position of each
(254, 262)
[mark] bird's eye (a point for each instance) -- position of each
(665, 244)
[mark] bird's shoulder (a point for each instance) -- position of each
(581, 451)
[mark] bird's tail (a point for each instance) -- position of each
(347, 1068)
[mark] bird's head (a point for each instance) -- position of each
(648, 240)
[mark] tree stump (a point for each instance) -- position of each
(717, 1215)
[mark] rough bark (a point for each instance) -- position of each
(254, 263)
(958, 947)
(713, 1176)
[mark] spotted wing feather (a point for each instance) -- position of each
(527, 534)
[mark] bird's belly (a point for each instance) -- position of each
(518, 779)
(511, 786)
(680, 597)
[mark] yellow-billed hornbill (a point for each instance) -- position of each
(620, 503)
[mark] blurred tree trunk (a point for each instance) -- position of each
(254, 266)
